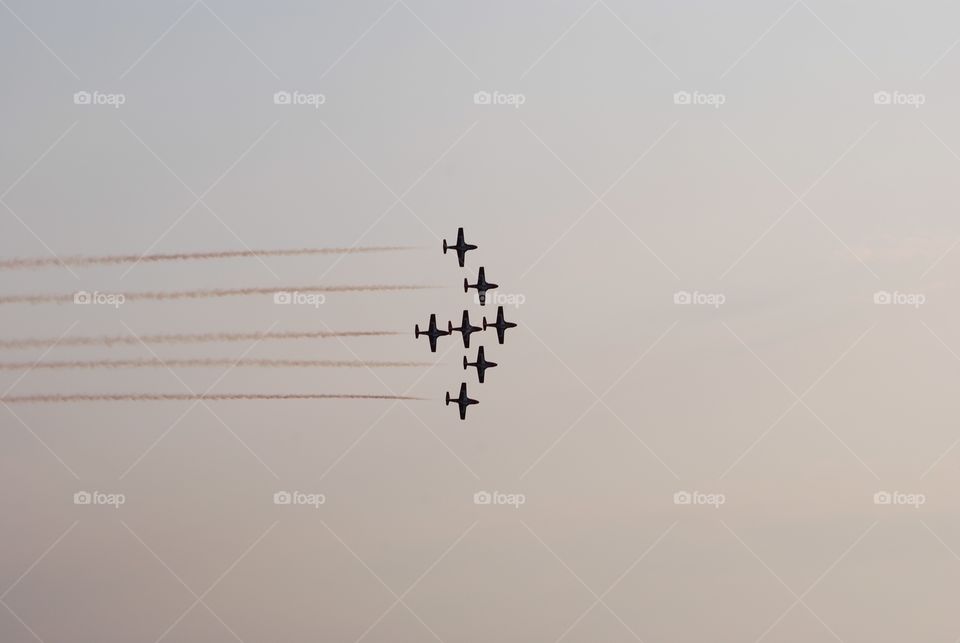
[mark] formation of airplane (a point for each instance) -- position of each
(466, 329)
(461, 247)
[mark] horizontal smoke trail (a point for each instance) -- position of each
(203, 294)
(196, 338)
(187, 397)
(205, 363)
(25, 263)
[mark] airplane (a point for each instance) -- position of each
(481, 364)
(465, 329)
(482, 286)
(463, 401)
(461, 247)
(432, 333)
(502, 325)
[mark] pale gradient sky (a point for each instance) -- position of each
(597, 200)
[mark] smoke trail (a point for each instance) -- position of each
(117, 299)
(188, 397)
(188, 338)
(25, 263)
(204, 363)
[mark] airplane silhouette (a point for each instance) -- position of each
(481, 364)
(465, 329)
(462, 401)
(482, 286)
(502, 325)
(432, 333)
(461, 247)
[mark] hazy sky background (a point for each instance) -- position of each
(598, 200)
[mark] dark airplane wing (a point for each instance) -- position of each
(461, 249)
(433, 343)
(462, 402)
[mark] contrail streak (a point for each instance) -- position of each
(25, 263)
(205, 363)
(188, 397)
(198, 294)
(186, 338)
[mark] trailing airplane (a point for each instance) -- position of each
(461, 247)
(462, 401)
(481, 286)
(465, 329)
(501, 325)
(482, 364)
(432, 333)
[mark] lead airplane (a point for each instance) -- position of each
(482, 364)
(462, 401)
(432, 333)
(482, 286)
(461, 247)
(501, 325)
(465, 329)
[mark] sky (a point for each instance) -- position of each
(727, 233)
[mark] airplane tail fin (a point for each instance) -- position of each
(448, 398)
(444, 246)
(416, 331)
(484, 323)
(466, 286)
(450, 327)
(464, 362)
